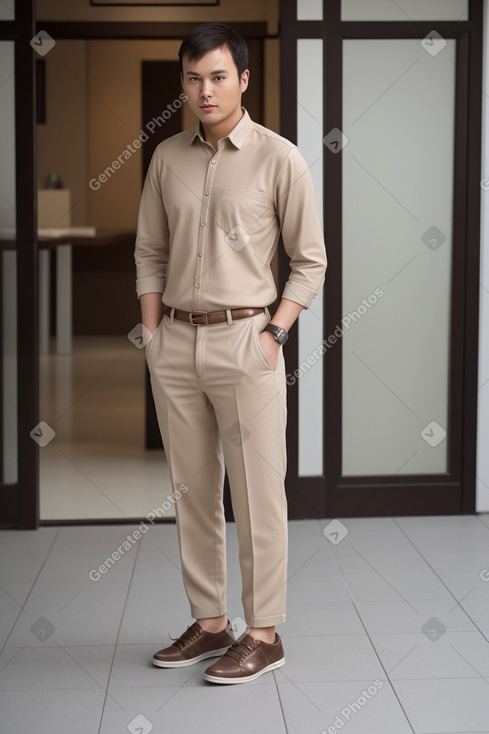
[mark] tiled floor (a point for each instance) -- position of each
(387, 633)
(96, 466)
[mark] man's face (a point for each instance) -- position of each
(213, 87)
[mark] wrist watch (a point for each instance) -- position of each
(279, 334)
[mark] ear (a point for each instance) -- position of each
(245, 77)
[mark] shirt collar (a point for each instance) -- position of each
(238, 134)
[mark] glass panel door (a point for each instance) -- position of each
(7, 10)
(400, 109)
(19, 427)
(8, 298)
(397, 255)
(404, 10)
(309, 375)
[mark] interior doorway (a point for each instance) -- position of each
(99, 468)
(103, 466)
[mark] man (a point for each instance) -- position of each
(215, 202)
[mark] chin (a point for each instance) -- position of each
(203, 115)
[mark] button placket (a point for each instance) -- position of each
(204, 218)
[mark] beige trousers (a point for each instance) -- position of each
(219, 403)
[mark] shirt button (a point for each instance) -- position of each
(206, 193)
(213, 161)
(202, 224)
(199, 254)
(197, 285)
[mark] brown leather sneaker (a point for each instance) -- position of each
(194, 645)
(246, 660)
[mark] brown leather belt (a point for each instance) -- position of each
(202, 318)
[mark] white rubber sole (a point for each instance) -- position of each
(191, 661)
(248, 678)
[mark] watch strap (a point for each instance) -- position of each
(280, 335)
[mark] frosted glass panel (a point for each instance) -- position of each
(404, 10)
(309, 140)
(8, 272)
(398, 117)
(7, 10)
(309, 9)
(7, 138)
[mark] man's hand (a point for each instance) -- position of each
(147, 336)
(284, 316)
(270, 347)
(151, 314)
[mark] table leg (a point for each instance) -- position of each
(63, 299)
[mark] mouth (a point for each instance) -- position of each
(208, 106)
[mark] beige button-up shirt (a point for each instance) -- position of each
(210, 221)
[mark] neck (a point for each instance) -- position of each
(214, 133)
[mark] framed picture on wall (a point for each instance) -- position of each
(154, 2)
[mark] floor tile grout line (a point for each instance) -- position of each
(133, 584)
(457, 603)
(22, 606)
(118, 633)
(370, 565)
(370, 640)
(65, 650)
(284, 637)
(479, 519)
(261, 685)
(384, 669)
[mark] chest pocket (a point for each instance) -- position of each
(242, 208)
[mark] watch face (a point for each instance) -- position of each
(282, 336)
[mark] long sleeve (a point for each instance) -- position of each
(152, 242)
(301, 230)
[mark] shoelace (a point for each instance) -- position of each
(240, 650)
(191, 633)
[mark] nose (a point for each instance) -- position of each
(206, 90)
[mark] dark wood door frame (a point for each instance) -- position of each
(19, 502)
(332, 495)
(143, 31)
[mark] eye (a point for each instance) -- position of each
(219, 78)
(193, 78)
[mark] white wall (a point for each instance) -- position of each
(482, 493)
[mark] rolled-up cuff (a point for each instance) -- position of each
(299, 293)
(150, 285)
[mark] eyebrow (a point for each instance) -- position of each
(218, 71)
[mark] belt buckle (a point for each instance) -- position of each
(192, 314)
